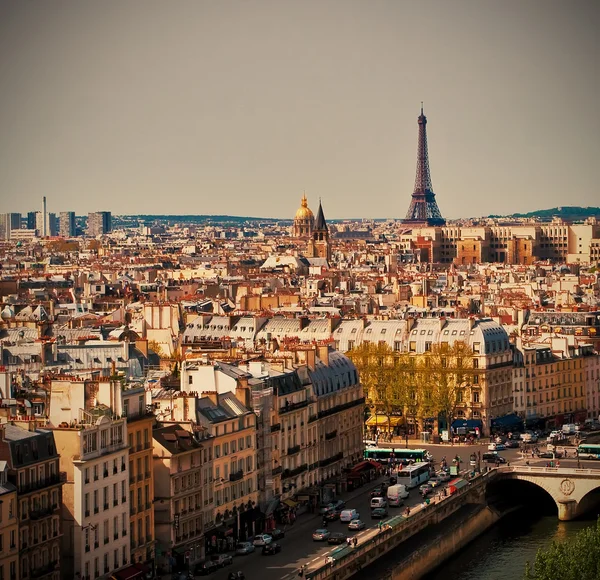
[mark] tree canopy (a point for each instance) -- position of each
(576, 559)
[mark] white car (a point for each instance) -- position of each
(349, 515)
(262, 540)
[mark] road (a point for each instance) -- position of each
(298, 548)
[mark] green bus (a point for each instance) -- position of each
(396, 455)
(588, 451)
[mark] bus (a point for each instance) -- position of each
(588, 451)
(413, 475)
(389, 454)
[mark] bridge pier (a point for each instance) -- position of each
(567, 510)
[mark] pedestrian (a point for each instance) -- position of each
(355, 541)
(301, 571)
(349, 541)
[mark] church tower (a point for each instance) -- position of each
(319, 247)
(303, 221)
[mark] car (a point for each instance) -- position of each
(243, 548)
(550, 455)
(320, 535)
(378, 502)
(221, 560)
(512, 444)
(349, 515)
(435, 481)
(493, 457)
(496, 447)
(262, 540)
(377, 492)
(356, 525)
(336, 538)
(272, 548)
(205, 568)
(379, 513)
(443, 476)
(338, 504)
(331, 515)
(277, 534)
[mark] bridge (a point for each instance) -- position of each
(574, 490)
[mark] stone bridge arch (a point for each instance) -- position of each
(573, 490)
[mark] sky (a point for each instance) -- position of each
(238, 107)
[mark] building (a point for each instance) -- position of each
(140, 421)
(33, 467)
(8, 223)
(99, 223)
(232, 427)
(303, 221)
(182, 462)
(9, 528)
(319, 245)
(423, 209)
(31, 220)
(67, 227)
(45, 224)
(91, 439)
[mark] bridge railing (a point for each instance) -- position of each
(558, 470)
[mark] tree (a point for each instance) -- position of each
(576, 559)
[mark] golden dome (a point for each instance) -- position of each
(304, 212)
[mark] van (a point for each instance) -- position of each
(349, 515)
(378, 502)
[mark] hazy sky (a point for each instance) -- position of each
(236, 107)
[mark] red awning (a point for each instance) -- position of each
(129, 573)
(366, 464)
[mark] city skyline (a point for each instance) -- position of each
(237, 109)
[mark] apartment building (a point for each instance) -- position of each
(99, 223)
(140, 421)
(182, 462)
(232, 427)
(91, 439)
(33, 467)
(591, 370)
(66, 227)
(549, 383)
(9, 528)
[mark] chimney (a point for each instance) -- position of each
(310, 358)
(323, 353)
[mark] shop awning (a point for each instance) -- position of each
(271, 507)
(382, 420)
(511, 420)
(458, 483)
(290, 503)
(466, 423)
(366, 464)
(129, 573)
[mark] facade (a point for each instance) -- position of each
(99, 223)
(9, 526)
(33, 467)
(140, 421)
(8, 223)
(91, 439)
(303, 221)
(182, 462)
(67, 224)
(45, 224)
(232, 428)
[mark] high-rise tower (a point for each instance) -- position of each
(423, 210)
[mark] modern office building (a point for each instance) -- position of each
(67, 224)
(99, 223)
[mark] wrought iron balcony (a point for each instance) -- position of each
(237, 475)
(331, 435)
(293, 450)
(289, 407)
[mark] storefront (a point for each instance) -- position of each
(134, 572)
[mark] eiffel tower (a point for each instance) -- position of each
(423, 210)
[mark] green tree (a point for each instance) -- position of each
(575, 559)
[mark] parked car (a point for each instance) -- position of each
(349, 515)
(205, 568)
(277, 534)
(272, 548)
(336, 538)
(379, 513)
(243, 548)
(320, 535)
(221, 560)
(356, 525)
(262, 540)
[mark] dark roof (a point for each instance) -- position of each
(29, 447)
(320, 224)
(174, 440)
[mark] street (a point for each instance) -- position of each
(298, 548)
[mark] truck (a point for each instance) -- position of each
(569, 428)
(396, 494)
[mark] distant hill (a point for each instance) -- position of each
(571, 213)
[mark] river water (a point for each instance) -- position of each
(502, 551)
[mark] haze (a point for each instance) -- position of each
(207, 107)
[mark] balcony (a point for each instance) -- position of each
(43, 570)
(39, 484)
(276, 427)
(237, 475)
(277, 470)
(105, 506)
(105, 473)
(331, 435)
(296, 471)
(289, 407)
(330, 460)
(293, 450)
(343, 407)
(132, 510)
(96, 510)
(147, 475)
(313, 418)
